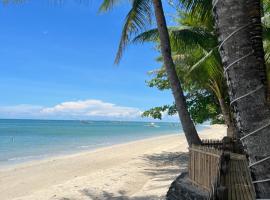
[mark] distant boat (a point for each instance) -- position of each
(85, 122)
(152, 124)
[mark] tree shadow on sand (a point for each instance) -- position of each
(110, 196)
(162, 167)
(167, 158)
(166, 165)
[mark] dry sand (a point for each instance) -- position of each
(140, 170)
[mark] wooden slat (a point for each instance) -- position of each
(204, 169)
(246, 184)
(242, 192)
(203, 161)
(205, 152)
(239, 187)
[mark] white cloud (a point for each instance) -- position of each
(167, 117)
(90, 108)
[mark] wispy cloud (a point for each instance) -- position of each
(20, 111)
(90, 108)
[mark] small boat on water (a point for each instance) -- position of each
(152, 124)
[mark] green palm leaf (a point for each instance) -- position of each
(137, 20)
(109, 4)
(181, 37)
(202, 8)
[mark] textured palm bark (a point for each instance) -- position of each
(231, 131)
(250, 112)
(268, 91)
(187, 124)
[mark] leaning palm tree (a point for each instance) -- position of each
(190, 41)
(239, 31)
(170, 66)
(137, 20)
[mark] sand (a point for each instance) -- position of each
(140, 170)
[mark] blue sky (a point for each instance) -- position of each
(56, 61)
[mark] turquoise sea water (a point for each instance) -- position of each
(24, 140)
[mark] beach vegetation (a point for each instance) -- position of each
(201, 73)
(200, 68)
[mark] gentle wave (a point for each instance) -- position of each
(23, 158)
(94, 145)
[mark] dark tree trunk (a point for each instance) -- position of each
(268, 91)
(188, 125)
(231, 131)
(246, 79)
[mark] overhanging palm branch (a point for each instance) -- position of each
(195, 20)
(109, 4)
(208, 75)
(207, 55)
(181, 37)
(198, 7)
(137, 20)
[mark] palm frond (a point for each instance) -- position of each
(108, 5)
(266, 5)
(203, 59)
(151, 35)
(201, 7)
(181, 37)
(188, 18)
(137, 20)
(185, 35)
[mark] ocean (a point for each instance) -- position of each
(26, 140)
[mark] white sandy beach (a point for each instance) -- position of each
(140, 170)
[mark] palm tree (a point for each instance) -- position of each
(136, 20)
(238, 24)
(171, 71)
(190, 41)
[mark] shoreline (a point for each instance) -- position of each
(142, 168)
(41, 158)
(79, 153)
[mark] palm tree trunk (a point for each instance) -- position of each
(231, 131)
(239, 32)
(188, 125)
(268, 90)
